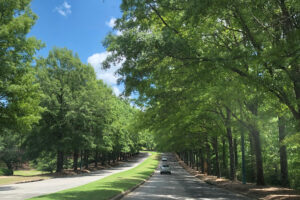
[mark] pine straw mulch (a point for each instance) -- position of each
(91, 168)
(251, 190)
(4, 180)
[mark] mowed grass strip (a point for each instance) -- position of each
(28, 172)
(5, 180)
(23, 176)
(110, 186)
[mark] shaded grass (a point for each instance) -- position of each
(109, 186)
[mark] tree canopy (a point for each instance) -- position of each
(54, 113)
(212, 74)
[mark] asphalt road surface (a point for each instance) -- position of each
(33, 189)
(179, 185)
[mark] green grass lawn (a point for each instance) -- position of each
(23, 176)
(109, 186)
(28, 172)
(4, 180)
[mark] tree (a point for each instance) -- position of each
(19, 92)
(172, 48)
(62, 76)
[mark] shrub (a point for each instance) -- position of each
(45, 162)
(6, 172)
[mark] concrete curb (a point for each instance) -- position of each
(29, 181)
(120, 196)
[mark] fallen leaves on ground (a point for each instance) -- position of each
(249, 189)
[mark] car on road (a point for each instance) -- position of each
(165, 169)
(164, 159)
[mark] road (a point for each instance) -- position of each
(179, 185)
(29, 190)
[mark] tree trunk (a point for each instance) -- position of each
(201, 161)
(230, 145)
(260, 180)
(215, 142)
(86, 159)
(103, 159)
(191, 159)
(114, 157)
(186, 157)
(224, 157)
(59, 161)
(235, 153)
(109, 156)
(197, 160)
(75, 159)
(8, 163)
(283, 155)
(81, 153)
(258, 155)
(243, 157)
(96, 158)
(208, 170)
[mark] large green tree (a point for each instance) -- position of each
(19, 97)
(82, 117)
(19, 92)
(172, 47)
(63, 79)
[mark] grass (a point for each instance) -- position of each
(28, 172)
(109, 186)
(23, 176)
(4, 180)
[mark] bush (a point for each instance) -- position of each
(45, 162)
(6, 172)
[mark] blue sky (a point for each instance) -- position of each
(79, 25)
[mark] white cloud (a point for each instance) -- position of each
(119, 33)
(109, 76)
(116, 90)
(111, 23)
(64, 9)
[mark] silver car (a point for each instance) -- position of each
(165, 169)
(164, 159)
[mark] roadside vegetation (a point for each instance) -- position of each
(28, 172)
(110, 186)
(219, 82)
(54, 113)
(21, 176)
(5, 180)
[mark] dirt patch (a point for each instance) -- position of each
(249, 189)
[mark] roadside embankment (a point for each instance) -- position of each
(249, 189)
(110, 186)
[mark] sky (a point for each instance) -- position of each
(81, 26)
